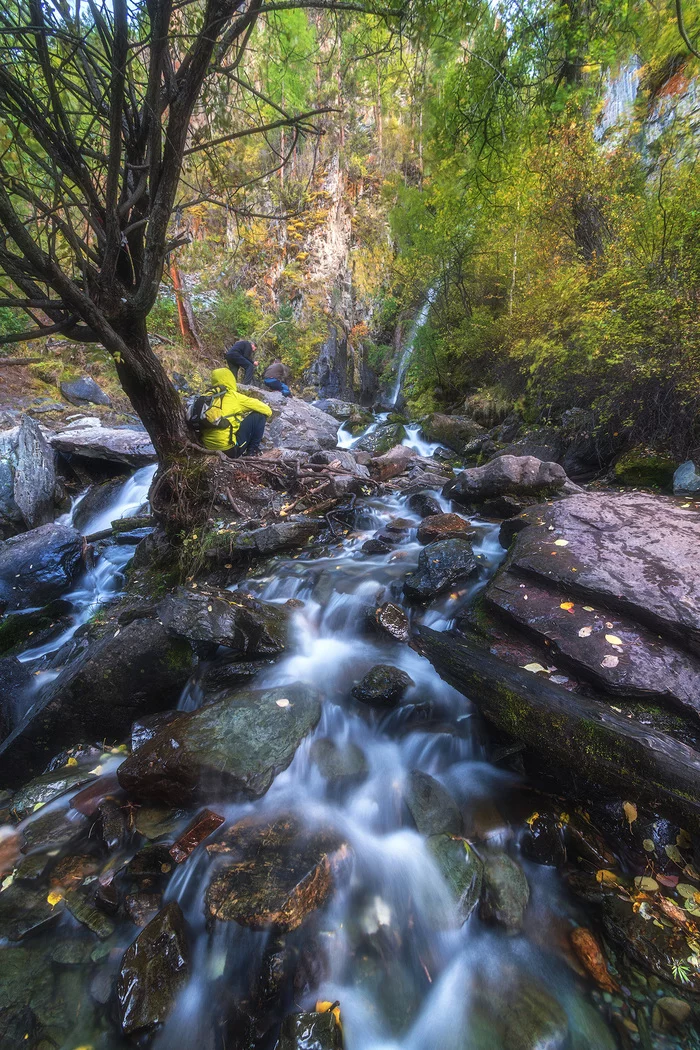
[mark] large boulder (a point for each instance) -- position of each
(35, 475)
(11, 519)
(340, 459)
(90, 440)
(432, 807)
(296, 424)
(456, 432)
(84, 391)
(686, 480)
(247, 625)
(381, 438)
(514, 476)
(440, 565)
(20, 630)
(392, 463)
(153, 971)
(38, 566)
(340, 410)
(137, 669)
(444, 527)
(275, 872)
(236, 745)
(460, 868)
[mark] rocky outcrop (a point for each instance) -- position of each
(135, 669)
(90, 440)
(456, 432)
(35, 484)
(84, 391)
(517, 477)
(295, 424)
(274, 873)
(686, 480)
(38, 566)
(440, 565)
(571, 734)
(383, 686)
(444, 527)
(246, 625)
(384, 437)
(234, 746)
(392, 463)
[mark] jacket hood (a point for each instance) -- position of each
(224, 377)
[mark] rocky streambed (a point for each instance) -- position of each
(421, 774)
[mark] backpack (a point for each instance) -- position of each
(198, 406)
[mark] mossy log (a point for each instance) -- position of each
(576, 738)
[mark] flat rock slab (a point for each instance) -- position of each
(278, 872)
(114, 444)
(440, 564)
(633, 552)
(236, 745)
(513, 475)
(615, 653)
(245, 624)
(444, 527)
(296, 424)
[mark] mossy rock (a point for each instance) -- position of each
(648, 470)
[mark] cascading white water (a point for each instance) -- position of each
(410, 345)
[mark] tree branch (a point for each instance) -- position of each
(291, 121)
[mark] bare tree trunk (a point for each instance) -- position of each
(184, 310)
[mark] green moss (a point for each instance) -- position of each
(641, 469)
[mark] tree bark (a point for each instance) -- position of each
(184, 310)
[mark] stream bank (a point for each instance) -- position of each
(306, 812)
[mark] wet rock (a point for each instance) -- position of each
(507, 475)
(656, 948)
(47, 787)
(15, 683)
(142, 907)
(440, 565)
(135, 669)
(276, 873)
(454, 431)
(433, 809)
(392, 463)
(344, 763)
(226, 674)
(633, 552)
(116, 445)
(150, 868)
(686, 480)
(84, 391)
(568, 731)
(96, 501)
(383, 686)
(38, 566)
(393, 620)
(21, 630)
(70, 871)
(506, 892)
(543, 842)
(236, 745)
(296, 424)
(444, 527)
(518, 1013)
(56, 829)
(376, 546)
(154, 970)
(82, 909)
(88, 800)
(385, 437)
(461, 869)
(157, 822)
(203, 825)
(35, 485)
(24, 909)
(242, 623)
(340, 459)
(424, 504)
(145, 728)
(310, 1031)
(670, 1013)
(111, 824)
(340, 410)
(268, 539)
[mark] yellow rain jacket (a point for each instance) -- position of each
(233, 407)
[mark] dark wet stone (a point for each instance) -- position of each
(38, 566)
(112, 824)
(70, 871)
(670, 1013)
(659, 949)
(454, 431)
(53, 830)
(519, 1014)
(47, 787)
(142, 907)
(32, 868)
(24, 909)
(506, 892)
(440, 565)
(461, 869)
(242, 623)
(96, 500)
(153, 971)
(376, 546)
(385, 437)
(157, 822)
(15, 680)
(84, 391)
(203, 825)
(107, 898)
(228, 673)
(394, 461)
(444, 527)
(383, 686)
(19, 631)
(236, 745)
(344, 763)
(424, 504)
(393, 620)
(310, 1031)
(433, 809)
(82, 909)
(145, 728)
(88, 800)
(543, 842)
(150, 868)
(275, 875)
(130, 671)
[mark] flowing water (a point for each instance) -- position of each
(405, 358)
(387, 946)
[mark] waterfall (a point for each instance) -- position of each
(410, 345)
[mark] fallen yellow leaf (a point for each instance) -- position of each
(603, 876)
(613, 639)
(54, 897)
(72, 761)
(561, 543)
(630, 812)
(534, 668)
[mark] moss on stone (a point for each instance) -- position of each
(641, 469)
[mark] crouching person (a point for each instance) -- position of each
(235, 422)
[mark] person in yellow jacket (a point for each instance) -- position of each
(236, 421)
